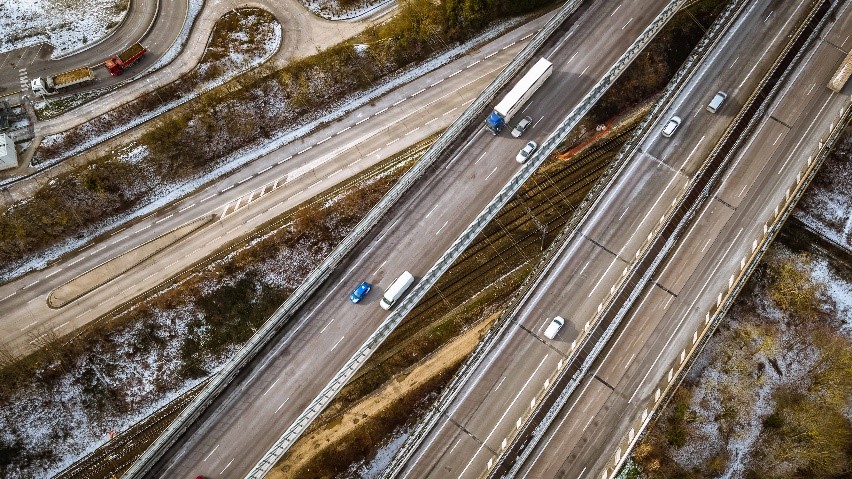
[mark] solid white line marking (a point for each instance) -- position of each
(229, 464)
(500, 383)
(326, 326)
(273, 385)
(441, 228)
(492, 172)
(380, 267)
(629, 360)
(430, 212)
(211, 453)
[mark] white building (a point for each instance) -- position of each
(8, 156)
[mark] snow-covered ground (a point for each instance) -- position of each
(757, 351)
(827, 205)
(68, 25)
(333, 10)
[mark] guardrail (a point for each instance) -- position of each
(674, 221)
(701, 337)
(408, 448)
(318, 275)
(471, 114)
(726, 298)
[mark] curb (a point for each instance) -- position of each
(54, 303)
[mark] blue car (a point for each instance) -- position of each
(360, 292)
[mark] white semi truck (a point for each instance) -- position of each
(518, 95)
(56, 84)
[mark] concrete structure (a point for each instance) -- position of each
(8, 156)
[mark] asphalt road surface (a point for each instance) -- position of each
(156, 22)
(623, 385)
(250, 415)
(485, 412)
(301, 168)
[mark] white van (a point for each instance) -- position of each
(396, 290)
(554, 327)
(717, 101)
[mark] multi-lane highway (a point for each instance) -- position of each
(250, 415)
(612, 399)
(301, 168)
(472, 430)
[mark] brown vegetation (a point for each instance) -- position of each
(779, 370)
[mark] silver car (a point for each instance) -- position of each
(522, 126)
(671, 126)
(528, 150)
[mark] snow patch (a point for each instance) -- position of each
(67, 26)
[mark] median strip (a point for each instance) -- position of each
(115, 267)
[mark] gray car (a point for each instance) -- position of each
(522, 126)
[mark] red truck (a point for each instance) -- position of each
(118, 63)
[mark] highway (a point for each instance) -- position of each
(302, 168)
(272, 392)
(472, 429)
(589, 430)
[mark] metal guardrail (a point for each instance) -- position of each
(318, 275)
(408, 448)
(471, 114)
(758, 100)
(727, 298)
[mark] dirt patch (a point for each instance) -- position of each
(307, 457)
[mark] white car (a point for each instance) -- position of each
(528, 150)
(554, 327)
(671, 126)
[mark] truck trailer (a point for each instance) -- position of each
(52, 85)
(118, 63)
(841, 76)
(518, 95)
